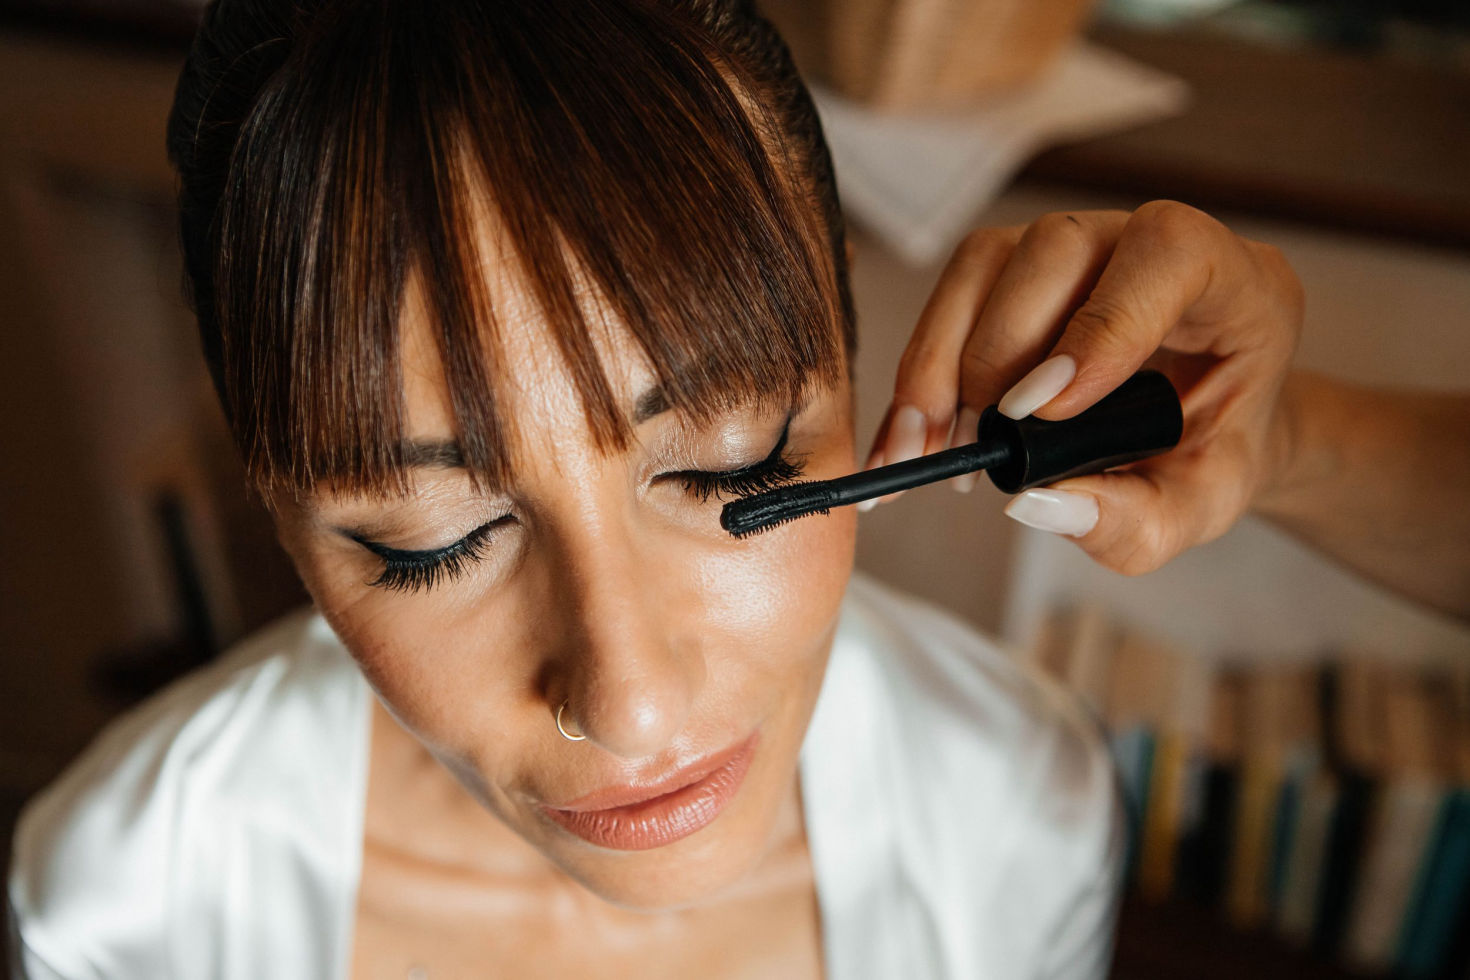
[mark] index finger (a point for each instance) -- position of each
(1172, 262)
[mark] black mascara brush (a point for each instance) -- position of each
(1141, 418)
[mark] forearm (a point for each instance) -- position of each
(1380, 481)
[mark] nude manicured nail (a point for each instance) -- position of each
(966, 429)
(1057, 511)
(1045, 382)
(866, 505)
(905, 435)
(907, 432)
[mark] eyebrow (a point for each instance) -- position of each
(652, 402)
(447, 454)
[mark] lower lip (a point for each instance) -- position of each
(664, 819)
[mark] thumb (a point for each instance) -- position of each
(1131, 521)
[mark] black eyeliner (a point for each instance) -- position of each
(411, 570)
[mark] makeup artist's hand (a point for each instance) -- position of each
(1049, 317)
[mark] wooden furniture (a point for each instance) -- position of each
(1346, 141)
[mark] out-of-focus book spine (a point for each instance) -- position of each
(1277, 727)
(1297, 910)
(1295, 859)
(1132, 689)
(1171, 755)
(1297, 775)
(1418, 746)
(1441, 906)
(1343, 853)
(1204, 848)
(1398, 833)
(1353, 725)
(1440, 910)
(1245, 899)
(1181, 715)
(1133, 754)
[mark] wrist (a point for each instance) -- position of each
(1292, 465)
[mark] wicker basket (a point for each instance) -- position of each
(902, 54)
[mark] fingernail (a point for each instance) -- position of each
(1057, 511)
(866, 505)
(905, 435)
(1044, 383)
(966, 430)
(907, 432)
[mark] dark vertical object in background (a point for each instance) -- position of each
(1348, 829)
(200, 641)
(1204, 855)
(132, 674)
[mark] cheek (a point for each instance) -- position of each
(446, 673)
(776, 596)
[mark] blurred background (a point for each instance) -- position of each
(1295, 744)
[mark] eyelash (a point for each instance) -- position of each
(414, 571)
(776, 470)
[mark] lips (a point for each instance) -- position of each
(638, 818)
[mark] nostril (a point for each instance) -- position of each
(634, 725)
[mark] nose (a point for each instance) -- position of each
(629, 674)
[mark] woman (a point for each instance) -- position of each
(502, 300)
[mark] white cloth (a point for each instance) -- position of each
(919, 180)
(961, 815)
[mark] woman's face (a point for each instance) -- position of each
(602, 580)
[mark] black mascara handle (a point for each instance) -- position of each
(1142, 417)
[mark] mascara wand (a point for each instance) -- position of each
(1142, 417)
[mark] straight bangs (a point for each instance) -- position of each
(617, 148)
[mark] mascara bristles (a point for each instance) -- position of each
(748, 530)
(775, 507)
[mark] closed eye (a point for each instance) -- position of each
(776, 470)
(406, 570)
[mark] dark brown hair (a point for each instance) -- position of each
(664, 150)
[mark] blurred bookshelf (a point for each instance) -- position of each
(1179, 938)
(1289, 819)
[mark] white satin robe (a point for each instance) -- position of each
(962, 817)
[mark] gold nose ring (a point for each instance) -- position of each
(561, 728)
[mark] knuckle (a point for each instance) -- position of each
(1284, 277)
(1102, 323)
(917, 359)
(1053, 226)
(1170, 223)
(921, 371)
(980, 248)
(1144, 551)
(979, 366)
(1136, 547)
